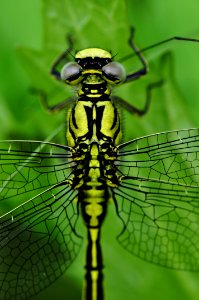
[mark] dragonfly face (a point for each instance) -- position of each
(93, 73)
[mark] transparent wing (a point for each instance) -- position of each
(38, 240)
(170, 156)
(31, 166)
(158, 198)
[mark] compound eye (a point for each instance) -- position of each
(114, 71)
(70, 71)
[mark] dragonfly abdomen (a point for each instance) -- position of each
(94, 207)
(93, 197)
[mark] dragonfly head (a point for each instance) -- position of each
(93, 66)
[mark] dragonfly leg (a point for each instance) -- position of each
(52, 108)
(55, 71)
(144, 70)
(62, 59)
(134, 110)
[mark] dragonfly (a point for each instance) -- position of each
(153, 181)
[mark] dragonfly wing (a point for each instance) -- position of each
(38, 240)
(170, 156)
(30, 166)
(158, 198)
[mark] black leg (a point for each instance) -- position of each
(55, 71)
(62, 59)
(54, 108)
(134, 110)
(174, 38)
(138, 53)
(144, 70)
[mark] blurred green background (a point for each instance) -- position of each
(33, 34)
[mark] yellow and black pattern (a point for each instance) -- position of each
(93, 132)
(153, 181)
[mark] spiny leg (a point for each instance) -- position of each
(144, 70)
(173, 38)
(134, 110)
(136, 75)
(60, 61)
(52, 108)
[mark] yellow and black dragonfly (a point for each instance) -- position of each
(153, 182)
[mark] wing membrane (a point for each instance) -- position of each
(31, 166)
(158, 199)
(38, 240)
(170, 157)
